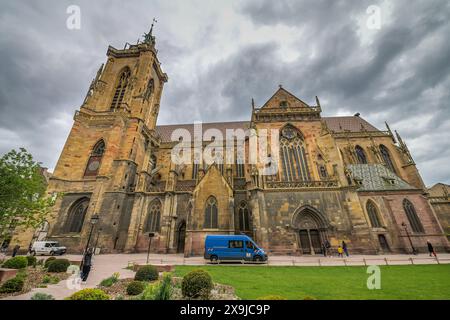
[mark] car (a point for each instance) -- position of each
(233, 247)
(47, 248)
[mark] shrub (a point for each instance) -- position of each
(272, 297)
(40, 262)
(108, 282)
(32, 261)
(42, 296)
(16, 263)
(134, 288)
(164, 291)
(58, 265)
(12, 285)
(50, 279)
(48, 261)
(197, 284)
(146, 273)
(89, 294)
(150, 291)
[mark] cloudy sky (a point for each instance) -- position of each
(220, 54)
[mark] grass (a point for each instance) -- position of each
(332, 283)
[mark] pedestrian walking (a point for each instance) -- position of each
(15, 250)
(344, 247)
(86, 265)
(340, 252)
(327, 246)
(324, 249)
(431, 249)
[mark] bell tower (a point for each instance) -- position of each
(131, 82)
(107, 160)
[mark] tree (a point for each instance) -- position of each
(23, 200)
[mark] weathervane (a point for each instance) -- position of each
(148, 37)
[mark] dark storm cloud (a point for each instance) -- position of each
(219, 57)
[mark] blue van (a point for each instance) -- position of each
(232, 247)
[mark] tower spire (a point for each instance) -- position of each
(148, 37)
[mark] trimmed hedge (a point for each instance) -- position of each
(47, 262)
(134, 288)
(58, 265)
(197, 284)
(42, 296)
(16, 263)
(89, 294)
(32, 261)
(147, 273)
(12, 285)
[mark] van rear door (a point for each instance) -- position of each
(235, 250)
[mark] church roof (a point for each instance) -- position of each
(377, 177)
(336, 124)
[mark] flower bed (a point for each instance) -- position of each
(34, 279)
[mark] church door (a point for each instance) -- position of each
(304, 242)
(383, 243)
(181, 237)
(312, 230)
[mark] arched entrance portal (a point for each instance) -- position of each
(312, 228)
(181, 236)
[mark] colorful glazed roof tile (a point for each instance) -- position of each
(376, 177)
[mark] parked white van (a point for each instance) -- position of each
(47, 248)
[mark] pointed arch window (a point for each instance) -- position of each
(293, 155)
(240, 167)
(153, 223)
(360, 155)
(211, 214)
(95, 159)
(385, 154)
(244, 217)
(121, 88)
(76, 216)
(412, 216)
(372, 212)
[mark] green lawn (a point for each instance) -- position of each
(397, 282)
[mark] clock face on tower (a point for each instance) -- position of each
(93, 166)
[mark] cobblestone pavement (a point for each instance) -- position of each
(105, 265)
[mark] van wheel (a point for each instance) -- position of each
(52, 253)
(257, 259)
(33, 253)
(213, 258)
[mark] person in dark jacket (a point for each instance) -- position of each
(15, 250)
(344, 247)
(86, 265)
(431, 249)
(324, 250)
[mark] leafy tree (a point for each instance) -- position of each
(23, 200)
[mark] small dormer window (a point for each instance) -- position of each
(358, 181)
(389, 180)
(283, 104)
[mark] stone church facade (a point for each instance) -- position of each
(338, 178)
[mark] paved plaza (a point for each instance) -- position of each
(105, 265)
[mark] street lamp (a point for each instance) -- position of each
(414, 251)
(150, 236)
(94, 220)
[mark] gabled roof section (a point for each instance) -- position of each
(376, 177)
(348, 123)
(281, 96)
